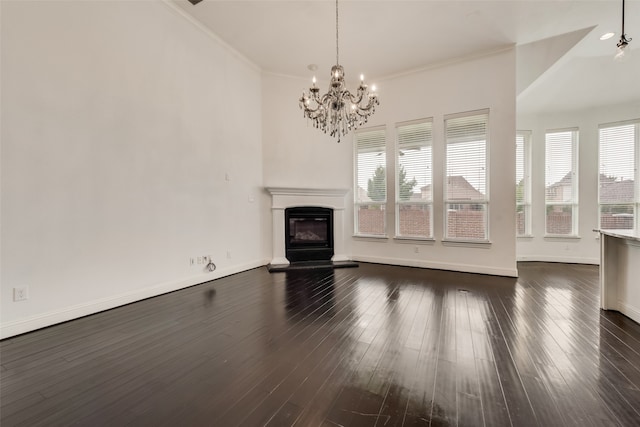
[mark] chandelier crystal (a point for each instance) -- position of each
(338, 111)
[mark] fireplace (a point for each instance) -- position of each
(283, 198)
(308, 233)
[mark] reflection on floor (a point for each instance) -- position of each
(376, 345)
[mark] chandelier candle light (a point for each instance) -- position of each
(338, 111)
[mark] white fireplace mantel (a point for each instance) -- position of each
(288, 197)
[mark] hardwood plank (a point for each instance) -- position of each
(319, 373)
(364, 392)
(378, 345)
(319, 402)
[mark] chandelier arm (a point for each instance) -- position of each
(371, 105)
(316, 98)
(325, 99)
(355, 100)
(366, 113)
(307, 106)
(311, 111)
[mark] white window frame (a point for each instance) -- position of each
(356, 202)
(636, 177)
(574, 202)
(485, 201)
(429, 167)
(526, 202)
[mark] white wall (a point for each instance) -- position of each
(585, 249)
(295, 153)
(120, 123)
(298, 155)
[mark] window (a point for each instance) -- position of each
(371, 182)
(466, 196)
(618, 193)
(523, 183)
(414, 192)
(561, 182)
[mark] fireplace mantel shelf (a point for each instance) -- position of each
(293, 191)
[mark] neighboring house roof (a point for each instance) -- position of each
(617, 191)
(458, 188)
(564, 182)
(611, 191)
(604, 179)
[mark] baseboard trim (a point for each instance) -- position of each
(629, 311)
(561, 259)
(21, 326)
(463, 268)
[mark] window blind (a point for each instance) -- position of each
(520, 166)
(414, 192)
(618, 196)
(370, 181)
(523, 184)
(466, 180)
(561, 182)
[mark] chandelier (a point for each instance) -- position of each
(338, 111)
(624, 41)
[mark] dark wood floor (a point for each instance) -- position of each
(371, 346)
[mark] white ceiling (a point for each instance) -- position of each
(383, 38)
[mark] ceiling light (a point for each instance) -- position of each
(624, 41)
(338, 111)
(607, 36)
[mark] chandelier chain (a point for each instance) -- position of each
(337, 44)
(622, 16)
(624, 40)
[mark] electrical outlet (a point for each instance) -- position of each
(20, 294)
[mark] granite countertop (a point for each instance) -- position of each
(622, 234)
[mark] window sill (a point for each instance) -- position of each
(410, 240)
(526, 236)
(370, 237)
(561, 237)
(484, 244)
